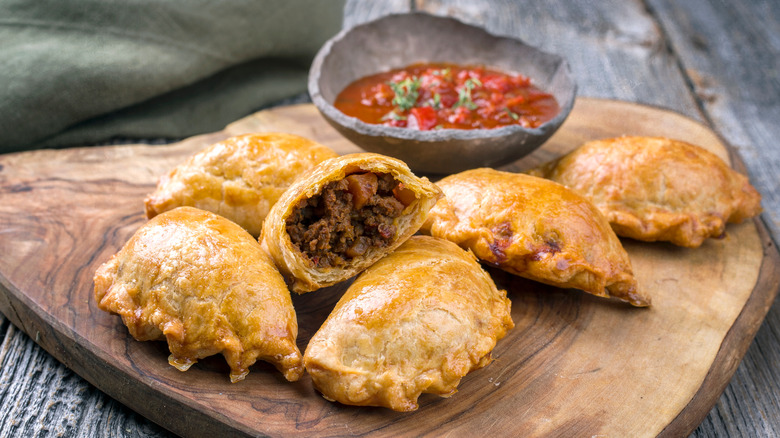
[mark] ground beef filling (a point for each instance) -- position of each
(347, 218)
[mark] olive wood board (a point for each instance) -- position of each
(574, 365)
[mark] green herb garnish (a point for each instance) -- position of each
(464, 94)
(443, 73)
(512, 114)
(436, 103)
(406, 92)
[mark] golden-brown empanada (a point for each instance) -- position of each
(343, 216)
(416, 321)
(239, 178)
(204, 284)
(653, 188)
(534, 228)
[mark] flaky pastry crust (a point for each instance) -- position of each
(203, 284)
(534, 228)
(304, 275)
(239, 178)
(657, 189)
(415, 322)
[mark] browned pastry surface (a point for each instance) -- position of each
(534, 228)
(344, 215)
(239, 178)
(657, 189)
(203, 284)
(416, 321)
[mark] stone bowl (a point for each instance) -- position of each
(398, 40)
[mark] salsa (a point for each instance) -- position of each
(438, 96)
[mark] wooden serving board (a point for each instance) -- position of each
(574, 365)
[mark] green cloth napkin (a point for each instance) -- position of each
(78, 72)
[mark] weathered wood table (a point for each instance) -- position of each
(715, 62)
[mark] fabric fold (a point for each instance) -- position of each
(83, 71)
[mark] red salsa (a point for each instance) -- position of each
(436, 96)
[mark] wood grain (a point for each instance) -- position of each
(68, 211)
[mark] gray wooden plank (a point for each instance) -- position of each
(615, 48)
(43, 398)
(361, 11)
(730, 52)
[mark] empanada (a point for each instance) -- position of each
(534, 228)
(203, 284)
(343, 216)
(416, 321)
(239, 178)
(653, 188)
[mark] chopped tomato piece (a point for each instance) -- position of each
(497, 83)
(423, 118)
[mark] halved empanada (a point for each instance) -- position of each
(657, 189)
(416, 321)
(239, 178)
(203, 284)
(534, 228)
(343, 216)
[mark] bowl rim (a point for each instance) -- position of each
(353, 123)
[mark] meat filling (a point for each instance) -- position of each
(347, 218)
